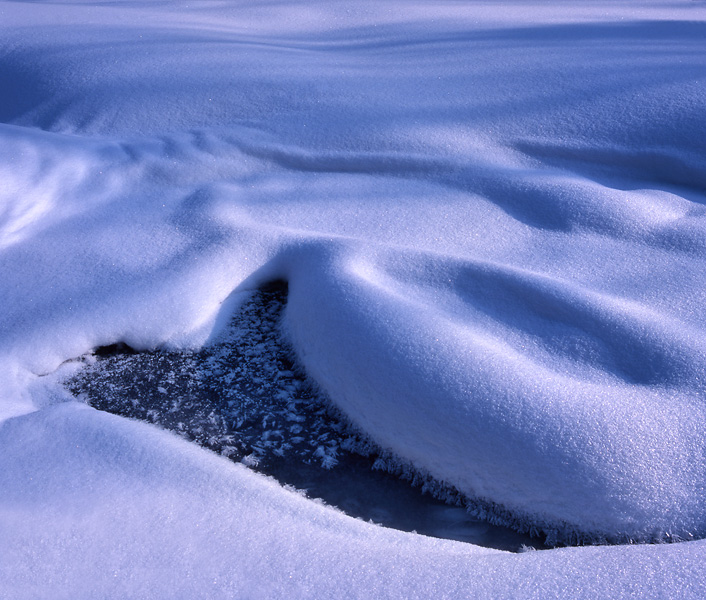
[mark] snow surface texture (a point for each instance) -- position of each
(243, 397)
(491, 219)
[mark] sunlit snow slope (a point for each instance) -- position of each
(492, 220)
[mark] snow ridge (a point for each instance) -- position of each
(491, 218)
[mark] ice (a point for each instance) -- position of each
(491, 220)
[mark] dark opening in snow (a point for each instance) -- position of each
(244, 398)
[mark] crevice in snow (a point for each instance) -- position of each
(245, 398)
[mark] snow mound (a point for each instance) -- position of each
(491, 219)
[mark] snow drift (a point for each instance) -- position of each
(491, 218)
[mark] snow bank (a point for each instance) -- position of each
(97, 506)
(491, 217)
(542, 393)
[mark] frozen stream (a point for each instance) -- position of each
(243, 397)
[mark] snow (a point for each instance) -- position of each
(97, 506)
(491, 220)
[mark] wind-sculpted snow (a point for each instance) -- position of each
(490, 217)
(544, 395)
(243, 397)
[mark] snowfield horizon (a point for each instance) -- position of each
(491, 222)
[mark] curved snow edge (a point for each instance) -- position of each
(556, 534)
